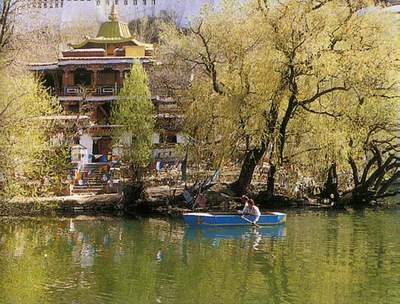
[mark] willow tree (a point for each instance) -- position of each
(30, 162)
(350, 152)
(228, 100)
(331, 52)
(272, 62)
(134, 113)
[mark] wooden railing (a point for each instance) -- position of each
(104, 90)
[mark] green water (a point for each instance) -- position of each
(315, 258)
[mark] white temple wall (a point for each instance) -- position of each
(180, 138)
(156, 138)
(67, 12)
(87, 141)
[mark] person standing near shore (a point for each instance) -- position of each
(250, 208)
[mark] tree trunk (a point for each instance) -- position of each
(271, 180)
(252, 158)
(284, 125)
(282, 138)
(372, 185)
(330, 190)
(255, 155)
(354, 169)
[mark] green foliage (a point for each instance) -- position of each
(222, 113)
(30, 163)
(134, 112)
(328, 71)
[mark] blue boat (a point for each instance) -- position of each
(210, 219)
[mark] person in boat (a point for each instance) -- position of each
(250, 208)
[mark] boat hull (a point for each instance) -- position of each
(209, 219)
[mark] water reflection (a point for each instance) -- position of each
(250, 235)
(314, 258)
(230, 233)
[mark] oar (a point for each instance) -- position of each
(247, 220)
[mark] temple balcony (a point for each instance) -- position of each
(102, 90)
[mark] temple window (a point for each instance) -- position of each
(82, 77)
(107, 77)
(153, 2)
(168, 138)
(144, 2)
(134, 2)
(172, 139)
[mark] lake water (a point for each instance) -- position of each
(324, 257)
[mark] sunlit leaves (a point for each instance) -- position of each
(25, 135)
(134, 113)
(334, 59)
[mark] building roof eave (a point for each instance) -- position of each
(101, 60)
(108, 40)
(63, 62)
(43, 66)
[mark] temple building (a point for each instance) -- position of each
(87, 79)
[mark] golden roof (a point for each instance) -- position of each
(112, 31)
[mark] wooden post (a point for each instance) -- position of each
(65, 81)
(94, 81)
(120, 80)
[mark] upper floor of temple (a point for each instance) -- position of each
(97, 65)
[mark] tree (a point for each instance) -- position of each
(31, 163)
(351, 57)
(277, 66)
(370, 156)
(222, 51)
(7, 14)
(134, 113)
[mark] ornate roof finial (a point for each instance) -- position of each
(114, 14)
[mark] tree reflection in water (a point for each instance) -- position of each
(315, 258)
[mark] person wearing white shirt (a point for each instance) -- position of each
(250, 208)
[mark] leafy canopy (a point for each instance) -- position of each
(134, 113)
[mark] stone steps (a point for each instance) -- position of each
(87, 191)
(99, 186)
(94, 182)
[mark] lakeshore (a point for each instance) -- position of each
(161, 200)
